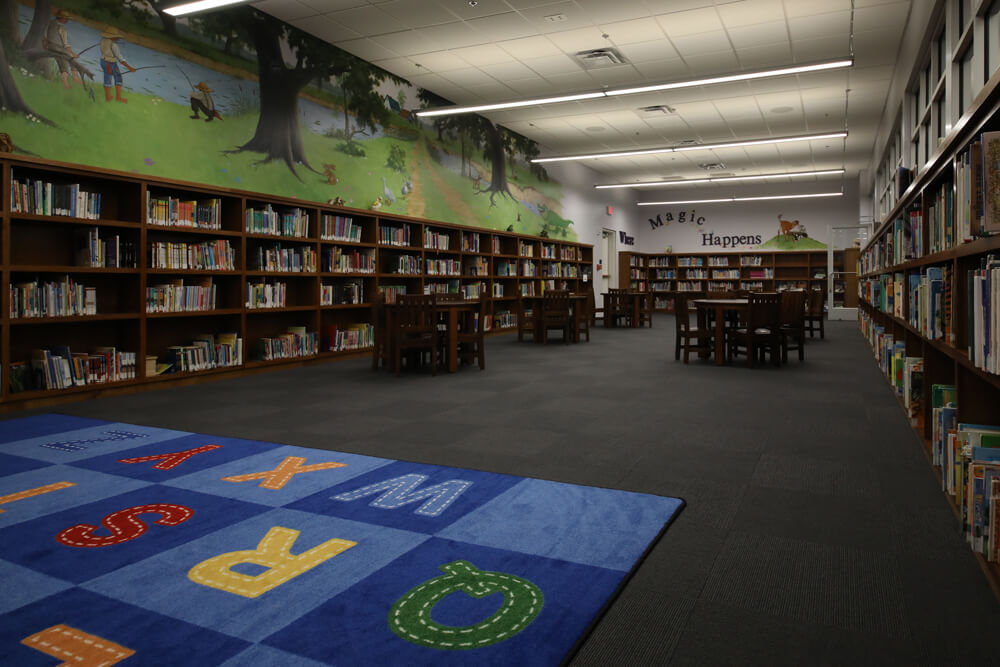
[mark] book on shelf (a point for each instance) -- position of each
(181, 295)
(58, 367)
(991, 175)
(168, 211)
(55, 298)
(40, 197)
(913, 390)
(983, 325)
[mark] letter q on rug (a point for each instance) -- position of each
(136, 545)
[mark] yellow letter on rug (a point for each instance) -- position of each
(31, 493)
(75, 647)
(274, 553)
(277, 478)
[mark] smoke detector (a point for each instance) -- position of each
(598, 58)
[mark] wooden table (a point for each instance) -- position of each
(577, 306)
(720, 307)
(636, 297)
(452, 310)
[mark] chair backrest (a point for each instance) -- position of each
(415, 312)
(682, 317)
(555, 304)
(815, 303)
(618, 290)
(793, 308)
(724, 294)
(444, 297)
(765, 310)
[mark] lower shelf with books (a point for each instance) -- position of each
(951, 406)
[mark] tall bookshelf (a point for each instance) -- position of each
(921, 308)
(117, 272)
(694, 274)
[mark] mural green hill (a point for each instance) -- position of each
(781, 242)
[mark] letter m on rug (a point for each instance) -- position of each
(400, 491)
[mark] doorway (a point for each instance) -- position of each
(608, 275)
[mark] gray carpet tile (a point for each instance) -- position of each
(815, 532)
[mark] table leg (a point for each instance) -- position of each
(720, 343)
(452, 340)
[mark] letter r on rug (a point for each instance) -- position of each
(75, 647)
(277, 478)
(274, 553)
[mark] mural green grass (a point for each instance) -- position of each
(780, 242)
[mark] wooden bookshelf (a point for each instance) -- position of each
(694, 274)
(204, 249)
(917, 294)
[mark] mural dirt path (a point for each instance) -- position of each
(415, 204)
(451, 196)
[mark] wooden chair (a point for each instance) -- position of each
(793, 323)
(814, 313)
(472, 334)
(645, 313)
(762, 331)
(593, 308)
(414, 323)
(381, 350)
(582, 314)
(617, 308)
(525, 320)
(685, 333)
(556, 315)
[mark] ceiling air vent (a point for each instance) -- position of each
(688, 142)
(712, 166)
(598, 58)
(656, 110)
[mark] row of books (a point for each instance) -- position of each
(111, 252)
(470, 242)
(718, 261)
(479, 266)
(175, 212)
(435, 240)
(498, 290)
(350, 260)
(664, 274)
(504, 319)
(529, 269)
(715, 286)
(751, 260)
(506, 268)
(726, 274)
(692, 274)
(397, 236)
(390, 292)
(690, 261)
(38, 197)
(923, 298)
(411, 264)
(297, 259)
(984, 315)
(292, 222)
(352, 337)
(297, 342)
(60, 368)
(206, 351)
(527, 289)
(177, 296)
(568, 253)
(525, 249)
(54, 298)
(339, 228)
(757, 274)
(218, 255)
(267, 295)
(349, 292)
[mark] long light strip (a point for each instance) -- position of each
(720, 179)
(729, 78)
(733, 199)
(201, 6)
(699, 147)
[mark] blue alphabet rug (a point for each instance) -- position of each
(123, 543)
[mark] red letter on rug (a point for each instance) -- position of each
(75, 647)
(124, 525)
(171, 460)
(30, 493)
(277, 478)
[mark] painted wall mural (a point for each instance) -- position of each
(239, 99)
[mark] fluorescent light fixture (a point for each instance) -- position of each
(729, 78)
(699, 147)
(721, 179)
(201, 6)
(733, 199)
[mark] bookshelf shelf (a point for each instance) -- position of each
(145, 226)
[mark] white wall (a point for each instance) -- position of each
(738, 225)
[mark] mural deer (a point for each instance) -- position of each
(786, 227)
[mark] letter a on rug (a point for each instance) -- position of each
(127, 544)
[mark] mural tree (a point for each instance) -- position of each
(429, 100)
(278, 134)
(10, 31)
(10, 96)
(141, 7)
(358, 84)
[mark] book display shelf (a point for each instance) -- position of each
(116, 281)
(695, 274)
(930, 307)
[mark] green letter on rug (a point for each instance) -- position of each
(410, 617)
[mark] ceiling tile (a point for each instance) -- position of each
(705, 42)
(875, 47)
(462, 9)
(486, 54)
(530, 86)
(503, 26)
(578, 80)
(561, 64)
(367, 49)
(324, 6)
(466, 77)
(692, 22)
(406, 43)
(454, 35)
(417, 13)
(768, 55)
(795, 8)
(759, 34)
(712, 63)
(602, 11)
(738, 107)
(643, 52)
(616, 76)
(403, 67)
(668, 69)
(574, 17)
(821, 48)
(530, 47)
(820, 25)
(508, 71)
(493, 91)
(583, 39)
(432, 82)
(286, 10)
(634, 31)
(441, 61)
(368, 21)
(750, 12)
(324, 28)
